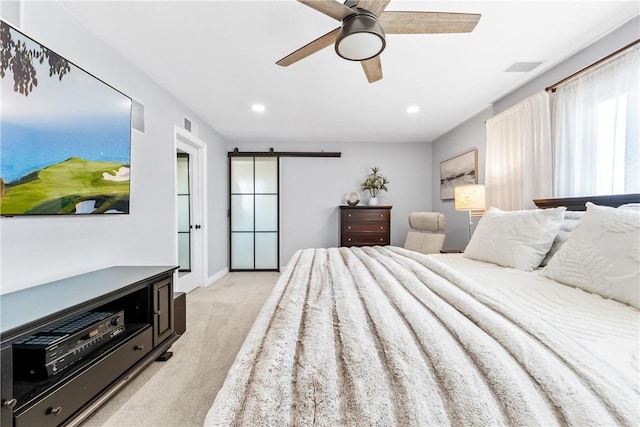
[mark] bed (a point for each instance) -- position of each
(383, 336)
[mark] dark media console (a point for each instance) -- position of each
(69, 345)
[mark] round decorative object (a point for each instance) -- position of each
(353, 198)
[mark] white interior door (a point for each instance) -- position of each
(191, 210)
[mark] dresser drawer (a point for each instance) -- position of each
(366, 227)
(67, 399)
(365, 215)
(365, 239)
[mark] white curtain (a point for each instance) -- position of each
(596, 141)
(519, 155)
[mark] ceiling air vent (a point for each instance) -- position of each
(522, 67)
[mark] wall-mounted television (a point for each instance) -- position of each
(65, 135)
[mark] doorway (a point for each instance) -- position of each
(190, 180)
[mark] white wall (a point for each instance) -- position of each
(464, 137)
(34, 250)
(472, 133)
(311, 189)
(217, 233)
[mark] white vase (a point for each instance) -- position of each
(373, 201)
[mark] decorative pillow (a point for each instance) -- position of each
(518, 239)
(602, 255)
(571, 219)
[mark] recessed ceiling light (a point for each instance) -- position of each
(258, 108)
(413, 109)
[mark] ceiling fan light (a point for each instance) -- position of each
(361, 37)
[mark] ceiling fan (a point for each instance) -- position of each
(361, 37)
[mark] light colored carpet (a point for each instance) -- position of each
(179, 392)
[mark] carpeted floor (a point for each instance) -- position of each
(180, 391)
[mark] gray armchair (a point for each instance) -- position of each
(427, 232)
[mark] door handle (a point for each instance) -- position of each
(198, 226)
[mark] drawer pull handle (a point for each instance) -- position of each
(381, 228)
(349, 215)
(349, 239)
(349, 227)
(381, 240)
(9, 403)
(54, 411)
(138, 347)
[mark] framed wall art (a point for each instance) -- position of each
(459, 170)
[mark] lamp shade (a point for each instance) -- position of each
(361, 37)
(469, 197)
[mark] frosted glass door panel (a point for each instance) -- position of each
(184, 251)
(267, 213)
(242, 175)
(241, 212)
(242, 251)
(266, 175)
(182, 169)
(183, 213)
(266, 251)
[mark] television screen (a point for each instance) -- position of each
(65, 136)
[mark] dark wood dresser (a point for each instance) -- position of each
(365, 225)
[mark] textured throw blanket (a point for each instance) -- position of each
(383, 336)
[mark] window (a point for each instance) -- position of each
(595, 123)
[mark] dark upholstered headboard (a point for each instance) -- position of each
(577, 203)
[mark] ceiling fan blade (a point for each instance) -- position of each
(330, 8)
(428, 22)
(374, 6)
(372, 68)
(310, 48)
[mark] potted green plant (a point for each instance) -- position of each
(374, 184)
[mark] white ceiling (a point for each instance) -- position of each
(218, 58)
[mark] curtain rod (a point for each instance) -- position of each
(553, 87)
(238, 153)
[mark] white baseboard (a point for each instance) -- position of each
(217, 276)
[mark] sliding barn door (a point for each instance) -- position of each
(254, 183)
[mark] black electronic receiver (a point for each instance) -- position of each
(50, 351)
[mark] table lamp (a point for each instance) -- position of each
(470, 198)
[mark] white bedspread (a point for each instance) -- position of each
(385, 336)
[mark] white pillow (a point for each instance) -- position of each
(602, 255)
(569, 223)
(518, 239)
